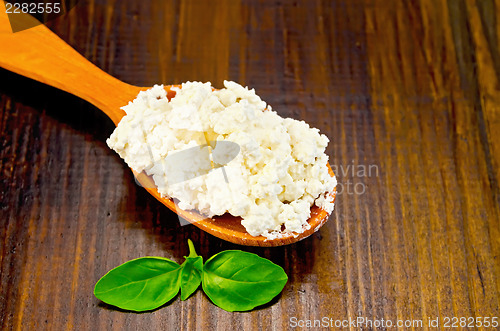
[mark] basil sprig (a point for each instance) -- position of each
(234, 280)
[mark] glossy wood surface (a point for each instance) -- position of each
(407, 91)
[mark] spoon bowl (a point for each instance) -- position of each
(39, 54)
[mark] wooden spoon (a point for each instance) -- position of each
(39, 54)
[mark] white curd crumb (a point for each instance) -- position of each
(225, 150)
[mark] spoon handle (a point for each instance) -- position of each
(39, 54)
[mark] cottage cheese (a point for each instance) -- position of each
(270, 174)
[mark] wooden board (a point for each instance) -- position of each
(407, 92)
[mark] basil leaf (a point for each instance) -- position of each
(240, 281)
(141, 284)
(192, 269)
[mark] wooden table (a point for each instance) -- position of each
(407, 92)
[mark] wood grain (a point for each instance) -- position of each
(408, 88)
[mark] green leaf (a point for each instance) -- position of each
(141, 284)
(191, 273)
(240, 281)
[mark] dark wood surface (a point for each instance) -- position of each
(406, 90)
